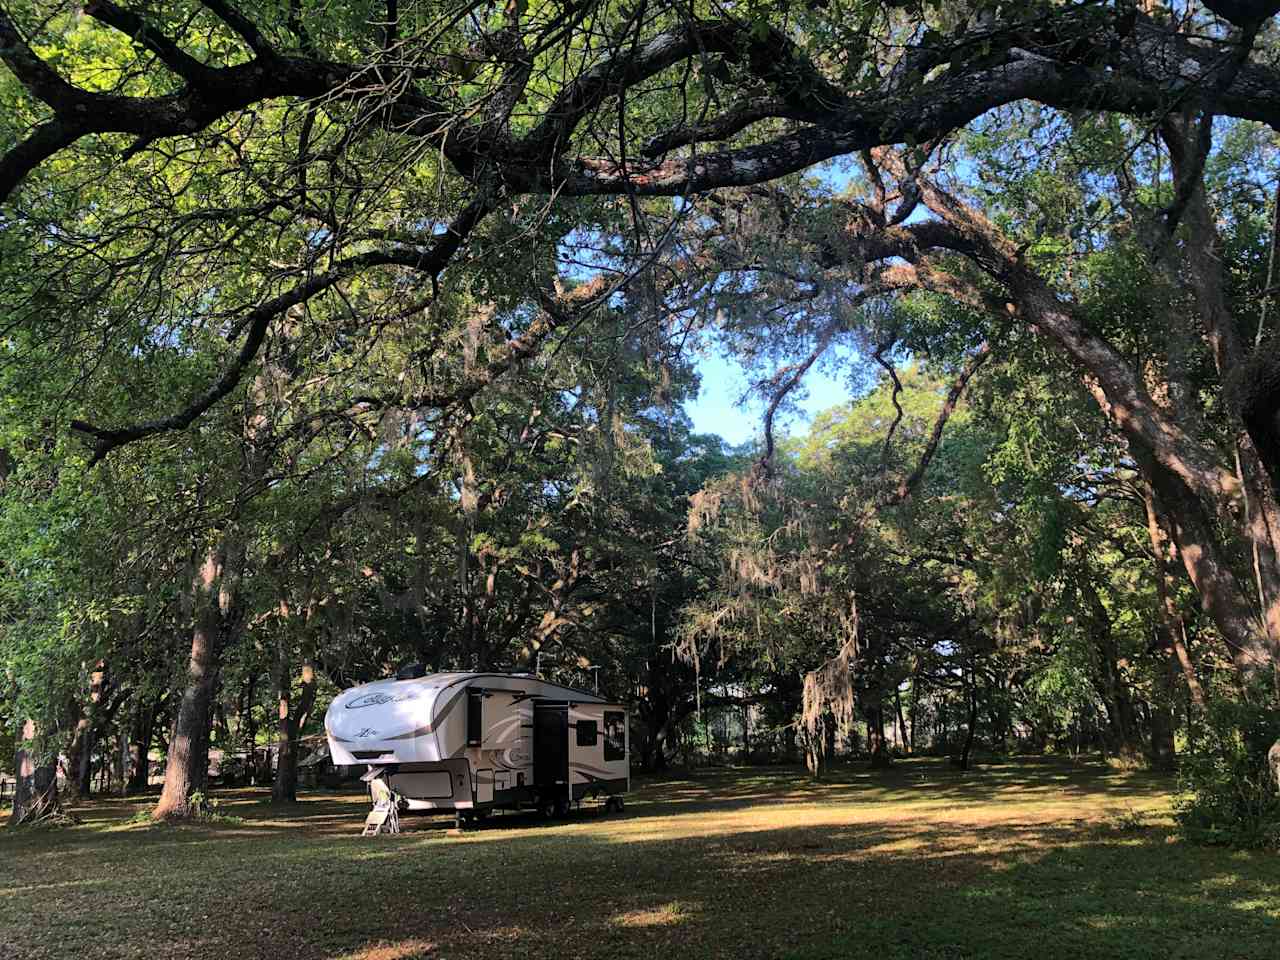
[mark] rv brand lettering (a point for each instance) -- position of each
(377, 699)
(370, 700)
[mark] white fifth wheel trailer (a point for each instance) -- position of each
(468, 743)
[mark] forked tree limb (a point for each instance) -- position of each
(906, 486)
(788, 378)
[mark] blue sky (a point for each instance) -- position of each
(716, 409)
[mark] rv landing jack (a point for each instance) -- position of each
(462, 819)
(556, 808)
(385, 815)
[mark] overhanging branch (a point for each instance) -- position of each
(257, 321)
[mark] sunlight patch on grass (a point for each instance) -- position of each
(1269, 906)
(57, 885)
(664, 915)
(404, 950)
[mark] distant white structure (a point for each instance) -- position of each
(473, 742)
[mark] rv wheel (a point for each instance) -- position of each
(547, 808)
(562, 808)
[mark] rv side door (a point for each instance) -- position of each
(551, 748)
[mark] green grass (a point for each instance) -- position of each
(1034, 858)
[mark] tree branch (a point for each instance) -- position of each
(1120, 391)
(1140, 71)
(132, 25)
(879, 358)
(242, 25)
(908, 483)
(257, 321)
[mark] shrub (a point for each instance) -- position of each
(1227, 794)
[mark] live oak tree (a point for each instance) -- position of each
(1190, 419)
(828, 571)
(509, 537)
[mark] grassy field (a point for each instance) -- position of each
(1026, 859)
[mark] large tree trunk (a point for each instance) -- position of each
(78, 752)
(1171, 624)
(1192, 484)
(655, 713)
(1163, 753)
(140, 737)
(661, 710)
(139, 772)
(1249, 385)
(1221, 594)
(36, 788)
(1122, 724)
(815, 758)
(293, 717)
(85, 740)
(187, 767)
(880, 756)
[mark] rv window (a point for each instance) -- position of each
(586, 733)
(615, 735)
(475, 718)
